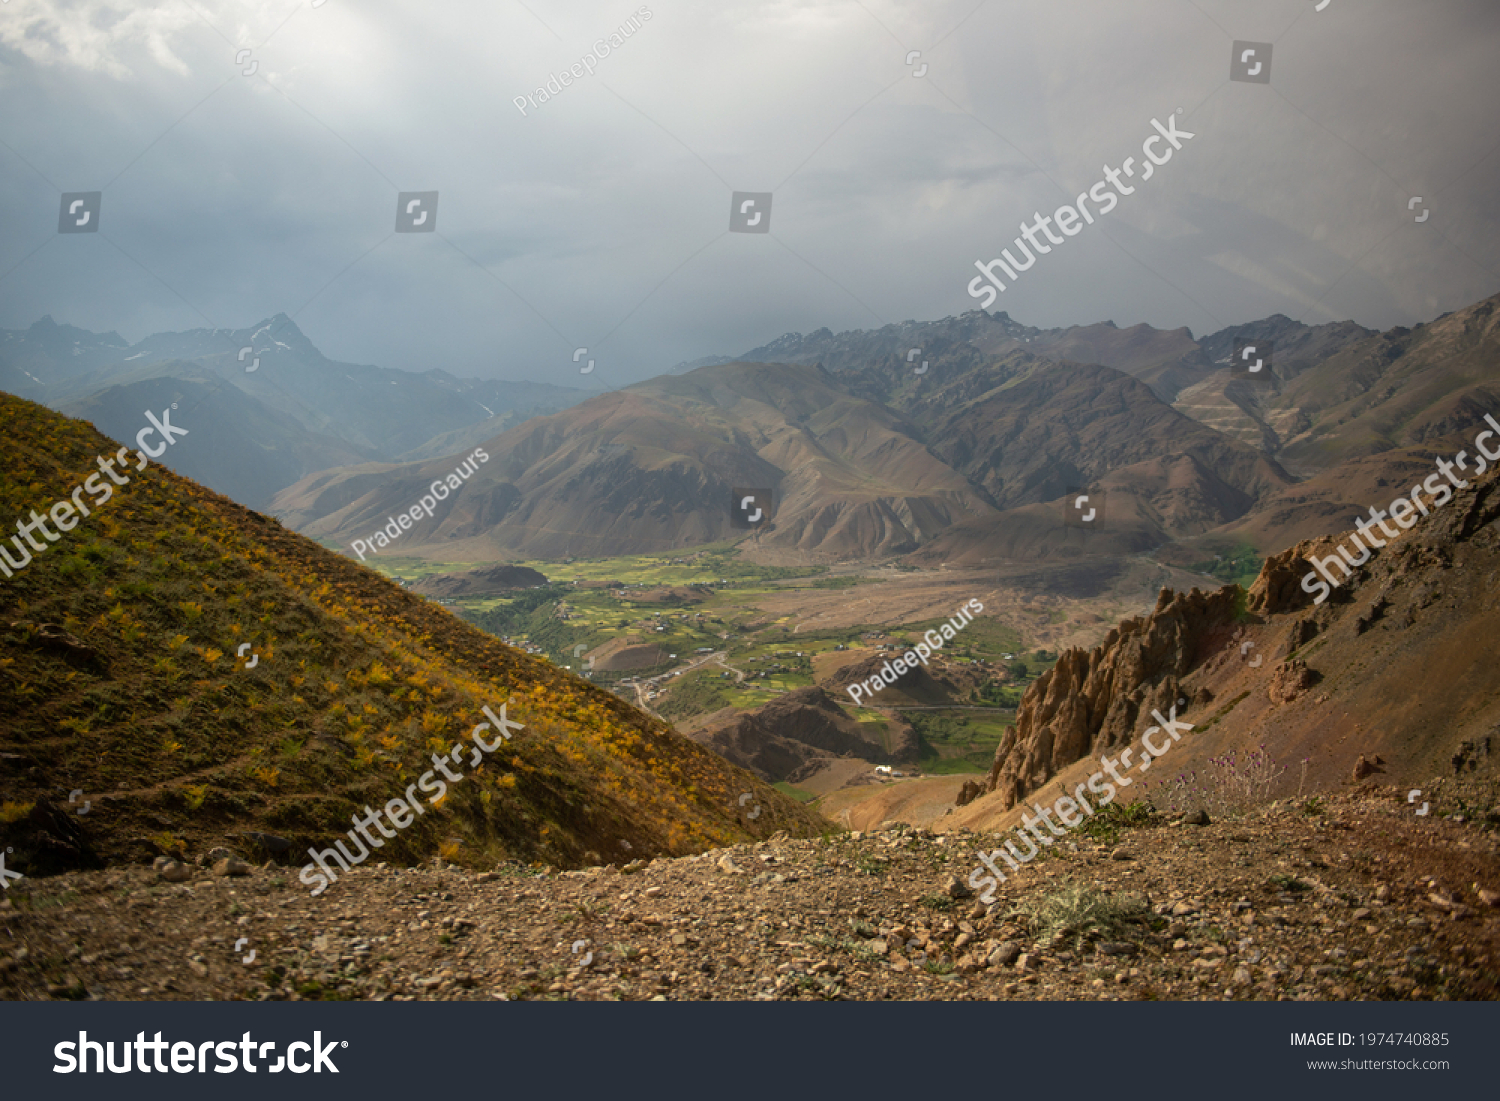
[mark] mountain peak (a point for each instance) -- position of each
(48, 330)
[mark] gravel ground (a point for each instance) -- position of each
(1359, 900)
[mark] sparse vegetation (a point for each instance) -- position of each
(346, 705)
(1106, 823)
(1080, 911)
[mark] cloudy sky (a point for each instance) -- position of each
(237, 185)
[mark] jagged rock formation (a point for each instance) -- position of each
(1394, 662)
(1092, 701)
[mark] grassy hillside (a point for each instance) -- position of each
(178, 743)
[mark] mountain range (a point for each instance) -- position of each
(963, 442)
(959, 441)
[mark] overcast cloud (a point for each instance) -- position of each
(600, 219)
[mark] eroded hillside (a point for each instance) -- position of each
(1391, 678)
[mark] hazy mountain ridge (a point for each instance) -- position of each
(303, 404)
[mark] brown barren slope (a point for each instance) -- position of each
(1398, 664)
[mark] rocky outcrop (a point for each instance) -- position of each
(1091, 701)
(1289, 680)
(781, 739)
(913, 684)
(1279, 589)
(486, 579)
(48, 840)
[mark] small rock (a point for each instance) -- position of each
(955, 888)
(231, 865)
(1489, 898)
(174, 871)
(1197, 818)
(728, 866)
(1004, 955)
(1120, 854)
